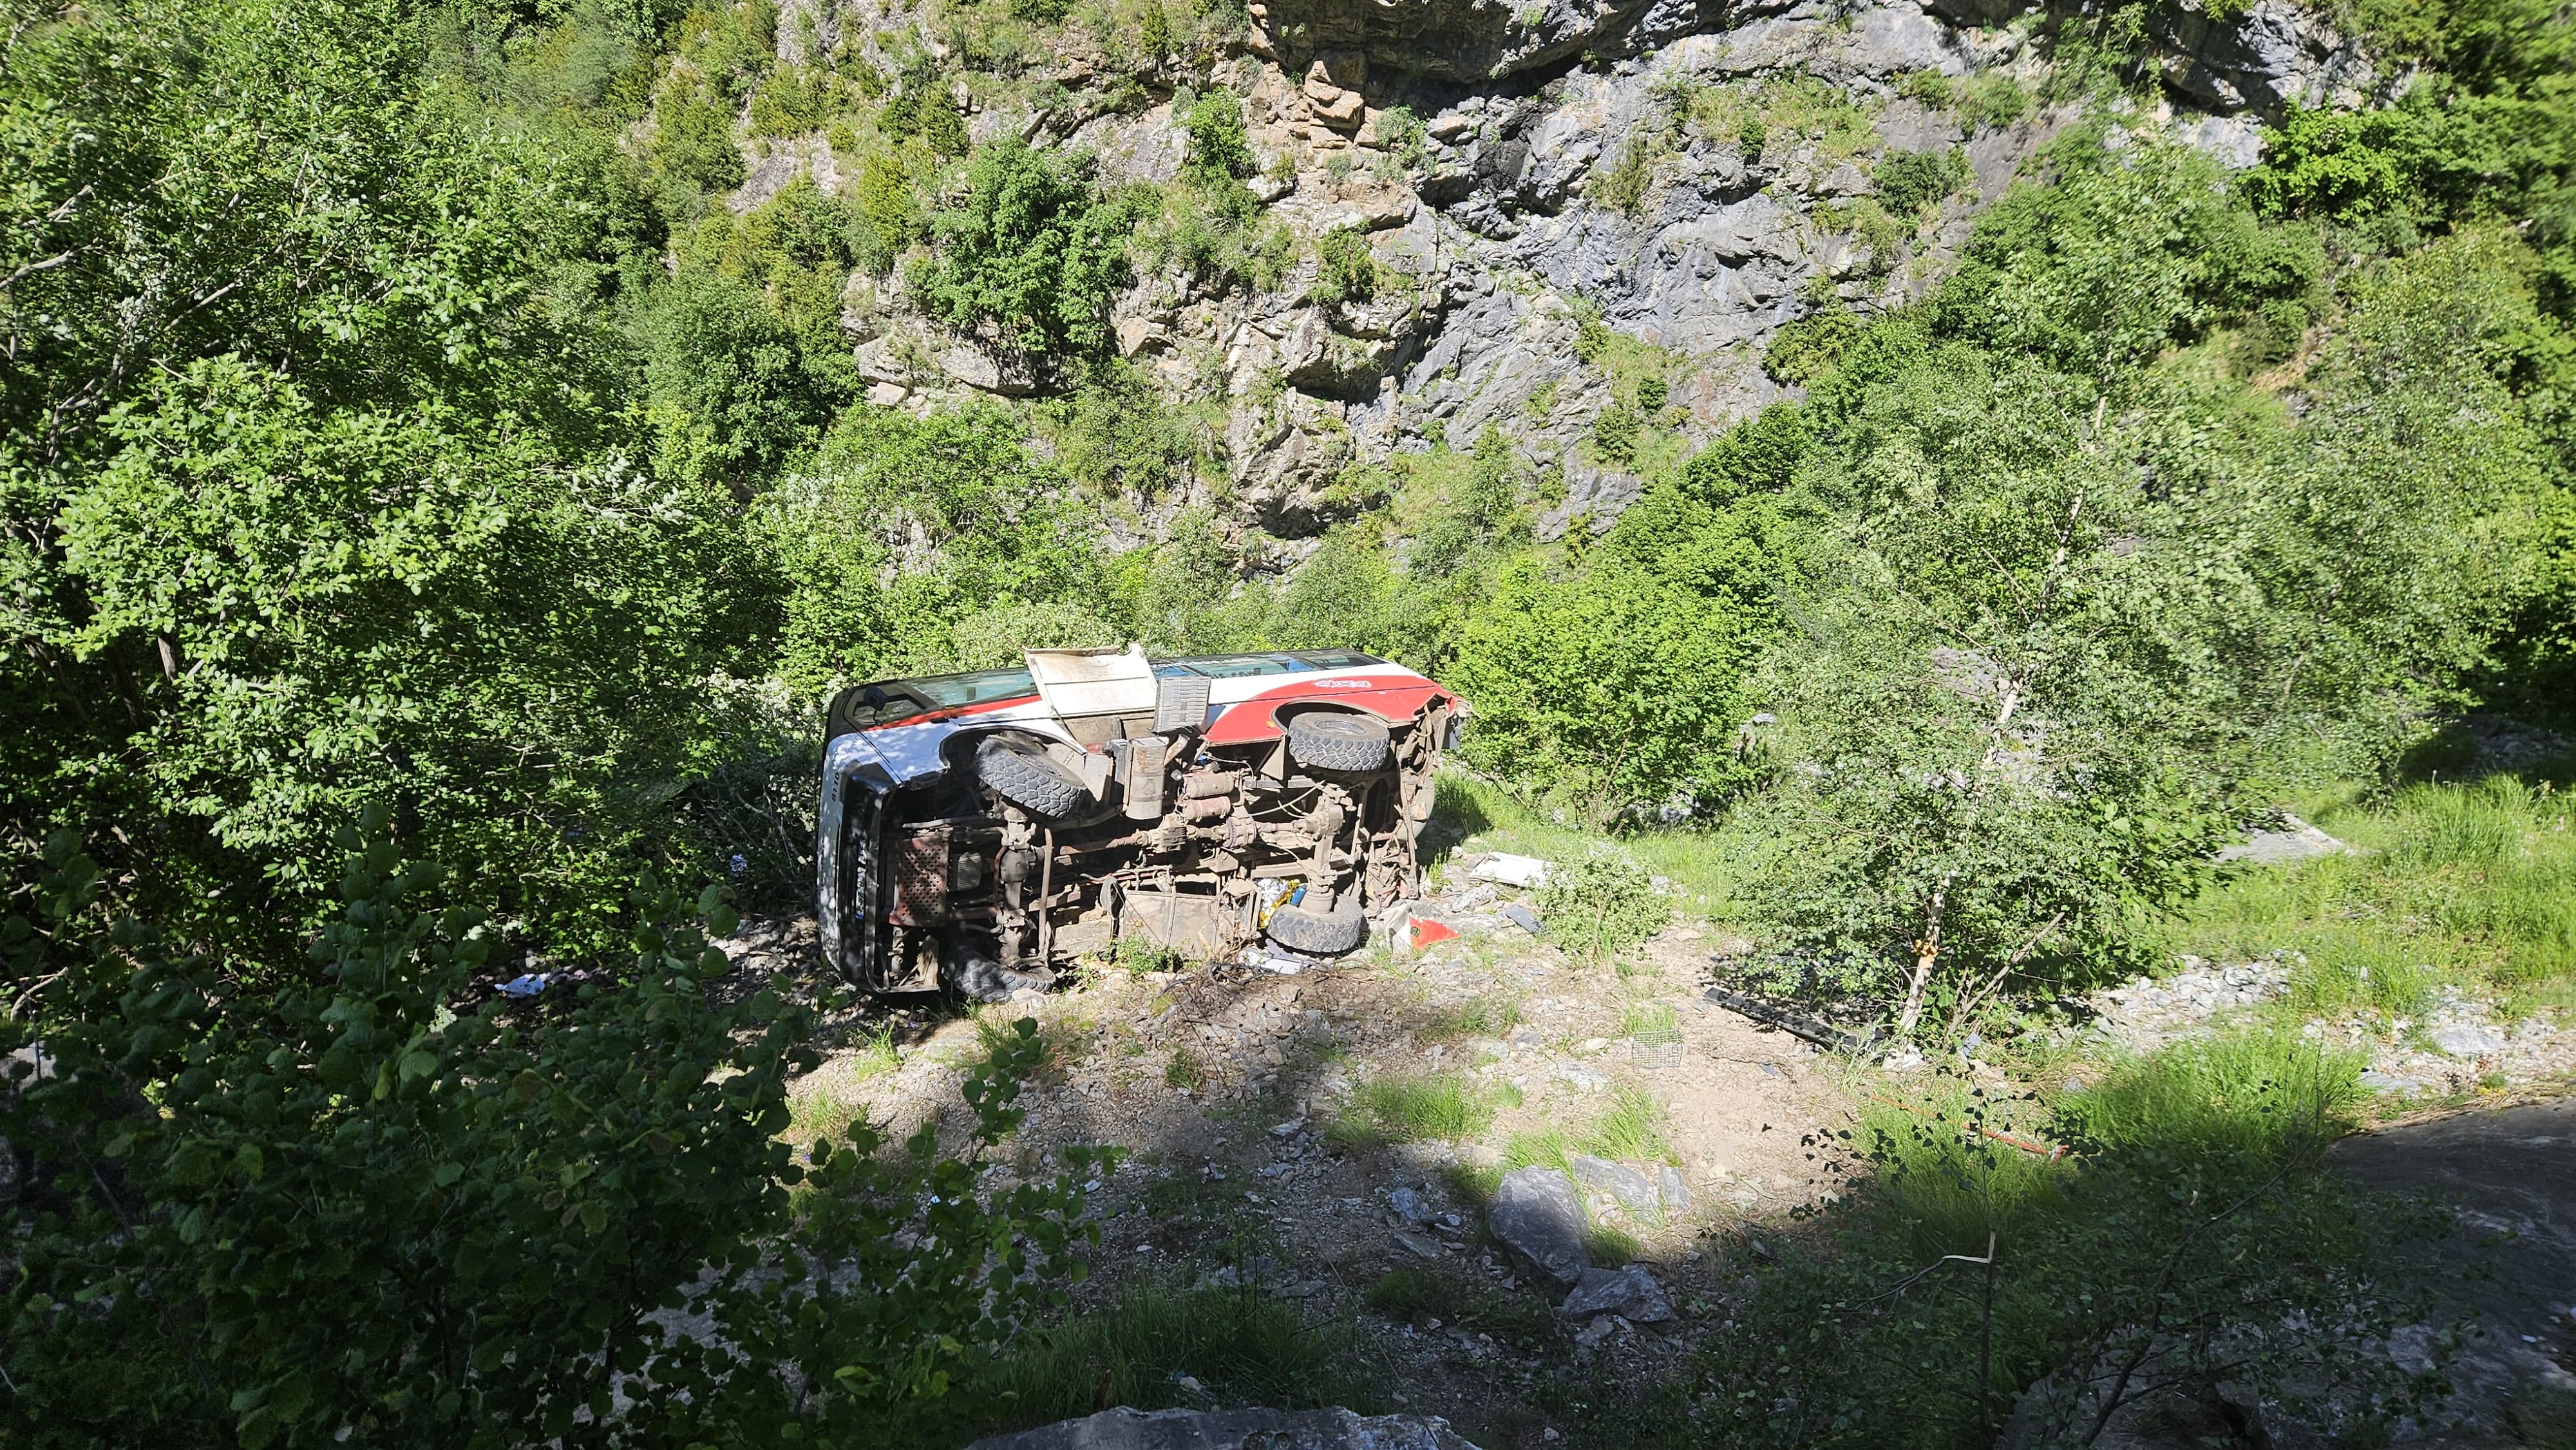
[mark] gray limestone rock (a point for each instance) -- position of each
(1674, 1188)
(1411, 1206)
(2466, 1039)
(2266, 57)
(1634, 1190)
(1336, 1429)
(2294, 841)
(1536, 1215)
(1631, 1293)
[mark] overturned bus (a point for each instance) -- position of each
(982, 831)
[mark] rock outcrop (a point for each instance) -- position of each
(1559, 175)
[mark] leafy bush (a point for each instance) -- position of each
(863, 597)
(1402, 134)
(1345, 270)
(404, 554)
(1614, 434)
(743, 392)
(692, 152)
(1219, 148)
(342, 1208)
(2200, 1210)
(1990, 100)
(2120, 257)
(1909, 182)
(1032, 257)
(1611, 683)
(890, 210)
(2486, 134)
(1810, 346)
(1601, 905)
(1591, 337)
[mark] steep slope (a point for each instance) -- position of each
(1689, 178)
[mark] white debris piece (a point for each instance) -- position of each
(1510, 870)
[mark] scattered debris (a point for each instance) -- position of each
(1510, 870)
(2146, 1013)
(1791, 1021)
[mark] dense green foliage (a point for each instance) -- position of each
(354, 1212)
(1032, 257)
(315, 469)
(2122, 1273)
(424, 437)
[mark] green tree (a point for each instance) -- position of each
(905, 528)
(2120, 256)
(1031, 258)
(315, 465)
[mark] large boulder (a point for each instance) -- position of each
(1634, 1190)
(1537, 1216)
(1124, 1429)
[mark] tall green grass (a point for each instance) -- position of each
(2196, 1199)
(1242, 1347)
(2471, 885)
(2246, 1098)
(1470, 814)
(1415, 1107)
(1629, 1130)
(2237, 1106)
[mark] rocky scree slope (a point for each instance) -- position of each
(1688, 175)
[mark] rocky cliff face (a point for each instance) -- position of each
(1688, 174)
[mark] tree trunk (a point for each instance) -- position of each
(1925, 952)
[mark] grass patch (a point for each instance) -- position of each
(1184, 1071)
(1654, 1024)
(1184, 1199)
(1414, 1108)
(1470, 815)
(2544, 1416)
(2197, 1198)
(1631, 1130)
(2470, 885)
(877, 1057)
(1610, 1247)
(1475, 1183)
(2246, 1097)
(1483, 1017)
(1243, 1347)
(1537, 1148)
(1412, 1295)
(818, 1115)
